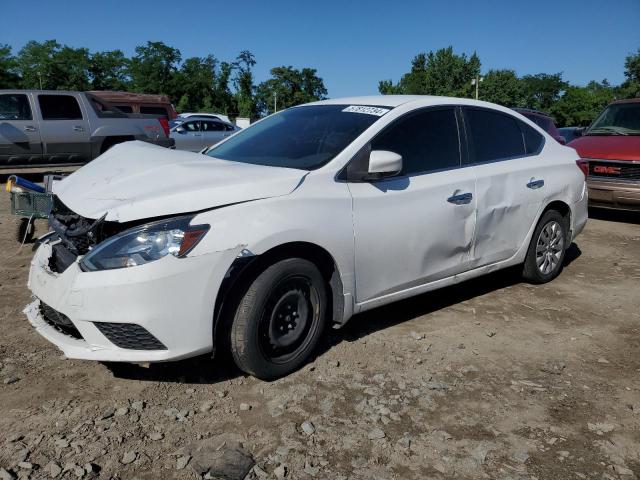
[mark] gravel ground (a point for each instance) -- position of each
(489, 379)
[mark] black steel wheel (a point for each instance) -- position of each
(279, 319)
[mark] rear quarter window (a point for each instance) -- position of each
(154, 111)
(533, 141)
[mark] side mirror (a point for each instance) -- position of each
(180, 129)
(578, 132)
(383, 163)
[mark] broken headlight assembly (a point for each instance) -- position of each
(144, 244)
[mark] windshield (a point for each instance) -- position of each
(617, 119)
(300, 137)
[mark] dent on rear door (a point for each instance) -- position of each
(506, 208)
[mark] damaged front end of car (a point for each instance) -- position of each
(106, 245)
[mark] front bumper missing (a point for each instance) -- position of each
(173, 299)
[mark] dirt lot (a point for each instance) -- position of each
(489, 379)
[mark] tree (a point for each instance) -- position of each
(51, 66)
(35, 64)
(71, 69)
(630, 88)
(153, 68)
(9, 77)
(109, 71)
(580, 105)
(288, 87)
(437, 73)
(502, 87)
(194, 83)
(223, 101)
(543, 89)
(243, 83)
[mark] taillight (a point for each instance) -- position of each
(165, 125)
(584, 166)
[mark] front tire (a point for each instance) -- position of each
(545, 257)
(279, 319)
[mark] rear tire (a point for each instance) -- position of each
(279, 319)
(545, 256)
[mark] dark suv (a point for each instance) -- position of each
(544, 121)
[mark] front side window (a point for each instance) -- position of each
(492, 136)
(191, 126)
(305, 137)
(59, 107)
(427, 140)
(14, 106)
(617, 119)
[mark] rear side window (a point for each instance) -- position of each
(154, 111)
(14, 106)
(493, 136)
(59, 107)
(427, 140)
(533, 141)
(212, 126)
(125, 108)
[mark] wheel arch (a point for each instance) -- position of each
(244, 269)
(561, 207)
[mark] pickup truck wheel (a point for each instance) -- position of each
(279, 319)
(545, 256)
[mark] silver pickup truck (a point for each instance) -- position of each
(55, 128)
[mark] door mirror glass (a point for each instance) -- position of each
(383, 163)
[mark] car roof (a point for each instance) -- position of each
(531, 111)
(627, 100)
(397, 100)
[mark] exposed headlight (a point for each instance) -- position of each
(144, 244)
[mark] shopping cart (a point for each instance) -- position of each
(28, 206)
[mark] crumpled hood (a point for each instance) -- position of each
(137, 180)
(610, 147)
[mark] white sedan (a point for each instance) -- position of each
(295, 224)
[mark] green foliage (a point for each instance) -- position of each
(153, 68)
(243, 82)
(109, 71)
(437, 73)
(580, 105)
(502, 87)
(445, 73)
(631, 86)
(288, 87)
(543, 89)
(9, 77)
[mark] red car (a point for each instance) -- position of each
(612, 147)
(544, 121)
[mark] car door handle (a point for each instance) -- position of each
(78, 128)
(29, 128)
(534, 184)
(460, 199)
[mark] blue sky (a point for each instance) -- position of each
(352, 44)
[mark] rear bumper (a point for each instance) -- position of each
(614, 194)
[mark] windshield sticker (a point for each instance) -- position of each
(377, 111)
